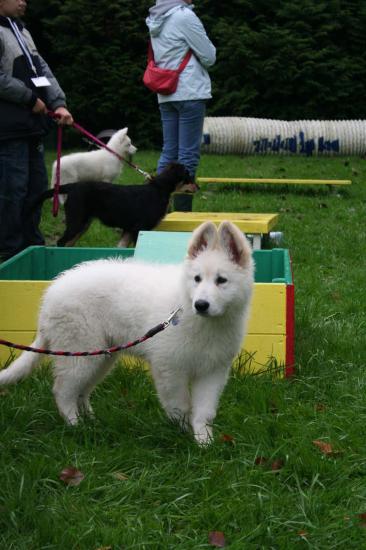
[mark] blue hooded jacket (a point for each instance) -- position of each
(172, 34)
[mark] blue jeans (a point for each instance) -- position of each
(23, 177)
(182, 133)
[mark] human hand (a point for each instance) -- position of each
(39, 107)
(63, 116)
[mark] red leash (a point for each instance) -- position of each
(82, 130)
(56, 192)
(150, 333)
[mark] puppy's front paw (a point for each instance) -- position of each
(203, 435)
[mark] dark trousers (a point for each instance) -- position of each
(23, 177)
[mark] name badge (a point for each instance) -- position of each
(41, 81)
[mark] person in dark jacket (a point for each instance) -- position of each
(28, 89)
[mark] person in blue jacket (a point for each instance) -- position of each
(174, 29)
(27, 90)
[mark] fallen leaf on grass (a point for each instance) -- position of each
(217, 538)
(336, 296)
(226, 438)
(325, 448)
(320, 407)
(71, 476)
(362, 518)
(277, 465)
(260, 460)
(120, 476)
(302, 534)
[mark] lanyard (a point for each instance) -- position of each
(22, 44)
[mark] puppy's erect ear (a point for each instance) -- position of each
(203, 238)
(235, 244)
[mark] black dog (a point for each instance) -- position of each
(131, 208)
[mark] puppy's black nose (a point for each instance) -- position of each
(201, 306)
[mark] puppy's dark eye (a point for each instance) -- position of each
(221, 280)
(197, 279)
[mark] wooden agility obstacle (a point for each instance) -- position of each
(270, 336)
(257, 225)
(281, 181)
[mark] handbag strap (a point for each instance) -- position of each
(182, 66)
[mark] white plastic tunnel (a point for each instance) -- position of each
(248, 136)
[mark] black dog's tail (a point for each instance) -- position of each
(63, 190)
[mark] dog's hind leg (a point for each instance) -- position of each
(77, 220)
(74, 382)
(126, 238)
(66, 393)
(104, 365)
(69, 238)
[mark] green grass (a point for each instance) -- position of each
(175, 493)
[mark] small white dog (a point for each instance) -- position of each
(100, 165)
(103, 303)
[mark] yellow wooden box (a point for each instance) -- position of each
(270, 332)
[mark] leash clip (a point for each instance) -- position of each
(173, 317)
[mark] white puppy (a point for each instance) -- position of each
(100, 165)
(103, 303)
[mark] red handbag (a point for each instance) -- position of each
(162, 81)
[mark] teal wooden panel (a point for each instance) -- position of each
(164, 247)
(170, 247)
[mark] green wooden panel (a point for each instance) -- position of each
(38, 263)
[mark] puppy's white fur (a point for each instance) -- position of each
(104, 303)
(100, 165)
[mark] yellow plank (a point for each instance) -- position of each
(268, 311)
(258, 349)
(19, 304)
(272, 180)
(20, 301)
(25, 337)
(248, 223)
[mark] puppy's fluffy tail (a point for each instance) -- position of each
(23, 365)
